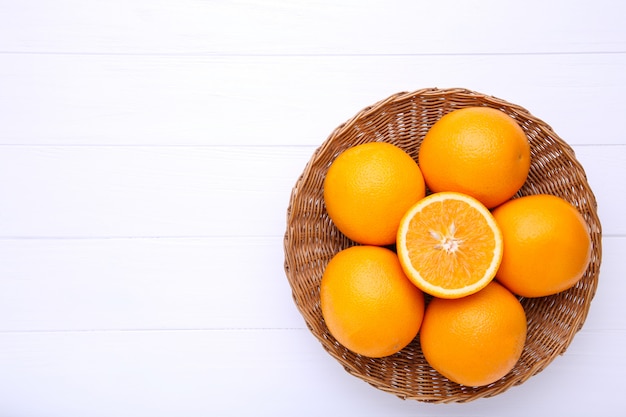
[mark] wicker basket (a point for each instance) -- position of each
(311, 240)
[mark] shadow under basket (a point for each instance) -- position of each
(311, 240)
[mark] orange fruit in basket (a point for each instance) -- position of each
(449, 245)
(547, 245)
(368, 188)
(479, 151)
(474, 340)
(368, 303)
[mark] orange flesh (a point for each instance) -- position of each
(452, 245)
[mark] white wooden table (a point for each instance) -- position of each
(147, 154)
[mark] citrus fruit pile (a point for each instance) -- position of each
(444, 248)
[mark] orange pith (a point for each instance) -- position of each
(449, 245)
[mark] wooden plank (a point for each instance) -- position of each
(147, 191)
(311, 27)
(93, 284)
(235, 372)
(282, 100)
(209, 283)
(181, 191)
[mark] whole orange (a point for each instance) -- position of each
(367, 302)
(368, 188)
(547, 246)
(474, 340)
(479, 151)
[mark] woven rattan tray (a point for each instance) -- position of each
(311, 240)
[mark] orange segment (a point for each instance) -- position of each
(449, 245)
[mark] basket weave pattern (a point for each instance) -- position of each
(311, 240)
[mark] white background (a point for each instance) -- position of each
(147, 154)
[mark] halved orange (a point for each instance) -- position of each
(449, 245)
